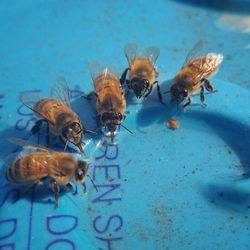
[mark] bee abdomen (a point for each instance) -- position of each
(20, 171)
(12, 174)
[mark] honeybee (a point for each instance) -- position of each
(142, 71)
(193, 76)
(57, 114)
(57, 167)
(111, 102)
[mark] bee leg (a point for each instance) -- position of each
(56, 190)
(159, 92)
(187, 103)
(47, 135)
(41, 181)
(149, 91)
(90, 96)
(209, 87)
(33, 186)
(202, 97)
(36, 128)
(84, 188)
(62, 141)
(69, 187)
(124, 77)
(128, 84)
(30, 188)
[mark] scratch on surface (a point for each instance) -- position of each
(234, 23)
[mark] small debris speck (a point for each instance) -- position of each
(128, 162)
(173, 123)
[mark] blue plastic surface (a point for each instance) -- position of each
(158, 188)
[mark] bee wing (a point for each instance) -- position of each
(131, 51)
(60, 91)
(23, 143)
(152, 53)
(215, 59)
(96, 69)
(30, 99)
(209, 65)
(195, 52)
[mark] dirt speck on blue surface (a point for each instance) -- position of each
(229, 150)
(128, 162)
(142, 231)
(89, 209)
(111, 179)
(164, 222)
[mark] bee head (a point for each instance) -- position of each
(81, 171)
(111, 120)
(178, 93)
(139, 86)
(73, 133)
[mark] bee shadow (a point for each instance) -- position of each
(43, 194)
(86, 110)
(153, 111)
(227, 196)
(234, 134)
(8, 148)
(237, 137)
(232, 6)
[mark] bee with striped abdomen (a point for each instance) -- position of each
(44, 164)
(111, 102)
(193, 76)
(57, 114)
(142, 73)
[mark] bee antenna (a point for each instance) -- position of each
(94, 185)
(66, 145)
(127, 129)
(89, 131)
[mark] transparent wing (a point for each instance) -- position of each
(152, 53)
(208, 65)
(131, 51)
(195, 52)
(30, 99)
(23, 143)
(97, 69)
(60, 91)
